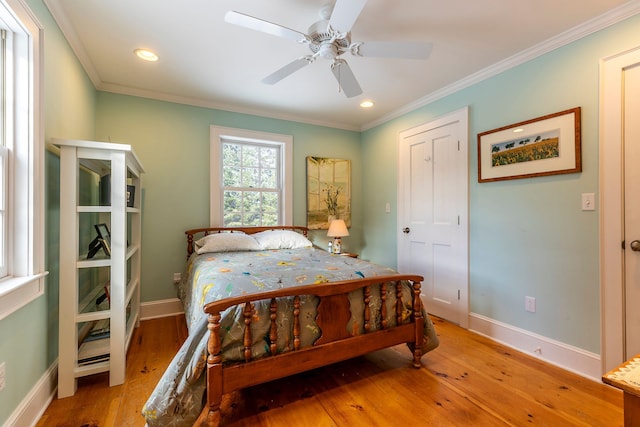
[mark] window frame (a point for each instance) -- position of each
(25, 163)
(218, 135)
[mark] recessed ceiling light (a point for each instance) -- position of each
(366, 104)
(518, 130)
(146, 54)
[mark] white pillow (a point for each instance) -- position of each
(281, 239)
(226, 242)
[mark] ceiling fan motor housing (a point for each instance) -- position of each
(326, 42)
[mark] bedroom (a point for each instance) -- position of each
(542, 212)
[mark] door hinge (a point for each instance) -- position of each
(458, 145)
(623, 245)
(458, 219)
(458, 294)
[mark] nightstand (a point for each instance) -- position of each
(349, 254)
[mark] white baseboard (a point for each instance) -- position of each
(160, 308)
(36, 402)
(557, 353)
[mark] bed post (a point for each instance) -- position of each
(189, 244)
(211, 416)
(418, 321)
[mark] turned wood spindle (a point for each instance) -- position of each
(398, 303)
(213, 344)
(273, 333)
(383, 306)
(367, 308)
(189, 245)
(296, 323)
(248, 309)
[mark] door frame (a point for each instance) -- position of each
(460, 116)
(611, 205)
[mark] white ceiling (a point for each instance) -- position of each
(208, 62)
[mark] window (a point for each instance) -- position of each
(21, 159)
(251, 178)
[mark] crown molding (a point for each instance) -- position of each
(578, 32)
(603, 21)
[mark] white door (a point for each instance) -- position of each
(432, 213)
(632, 209)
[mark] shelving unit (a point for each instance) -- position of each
(99, 296)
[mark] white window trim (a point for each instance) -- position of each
(25, 247)
(217, 135)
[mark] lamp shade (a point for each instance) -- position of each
(337, 228)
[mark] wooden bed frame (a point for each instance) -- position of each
(334, 344)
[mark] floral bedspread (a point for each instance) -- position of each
(179, 396)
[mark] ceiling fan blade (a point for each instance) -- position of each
(345, 13)
(285, 71)
(394, 50)
(258, 24)
(346, 78)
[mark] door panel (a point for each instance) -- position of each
(432, 198)
(632, 209)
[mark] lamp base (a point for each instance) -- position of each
(337, 245)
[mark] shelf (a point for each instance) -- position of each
(93, 209)
(90, 350)
(94, 262)
(93, 316)
(92, 368)
(95, 337)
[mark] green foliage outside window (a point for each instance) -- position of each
(250, 176)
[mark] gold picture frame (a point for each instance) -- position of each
(328, 191)
(547, 145)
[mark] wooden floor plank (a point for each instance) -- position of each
(468, 380)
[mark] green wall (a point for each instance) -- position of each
(172, 142)
(528, 237)
(29, 337)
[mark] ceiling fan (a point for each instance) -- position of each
(330, 38)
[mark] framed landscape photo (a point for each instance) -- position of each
(547, 145)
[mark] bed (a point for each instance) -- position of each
(262, 303)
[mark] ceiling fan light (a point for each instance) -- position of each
(328, 51)
(146, 55)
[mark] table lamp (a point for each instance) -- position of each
(337, 229)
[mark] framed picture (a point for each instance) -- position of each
(131, 195)
(105, 237)
(328, 191)
(547, 145)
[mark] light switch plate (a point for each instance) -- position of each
(588, 201)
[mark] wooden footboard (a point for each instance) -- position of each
(335, 343)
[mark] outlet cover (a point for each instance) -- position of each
(3, 376)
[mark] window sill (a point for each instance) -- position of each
(16, 292)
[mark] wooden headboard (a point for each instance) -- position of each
(248, 230)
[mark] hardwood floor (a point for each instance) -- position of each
(468, 380)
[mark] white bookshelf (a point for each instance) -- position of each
(94, 337)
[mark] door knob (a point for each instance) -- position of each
(406, 230)
(635, 245)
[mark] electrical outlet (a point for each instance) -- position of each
(177, 277)
(530, 304)
(3, 376)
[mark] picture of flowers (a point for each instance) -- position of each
(526, 149)
(548, 145)
(328, 191)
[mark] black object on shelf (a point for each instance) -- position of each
(103, 241)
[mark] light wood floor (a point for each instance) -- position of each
(468, 381)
